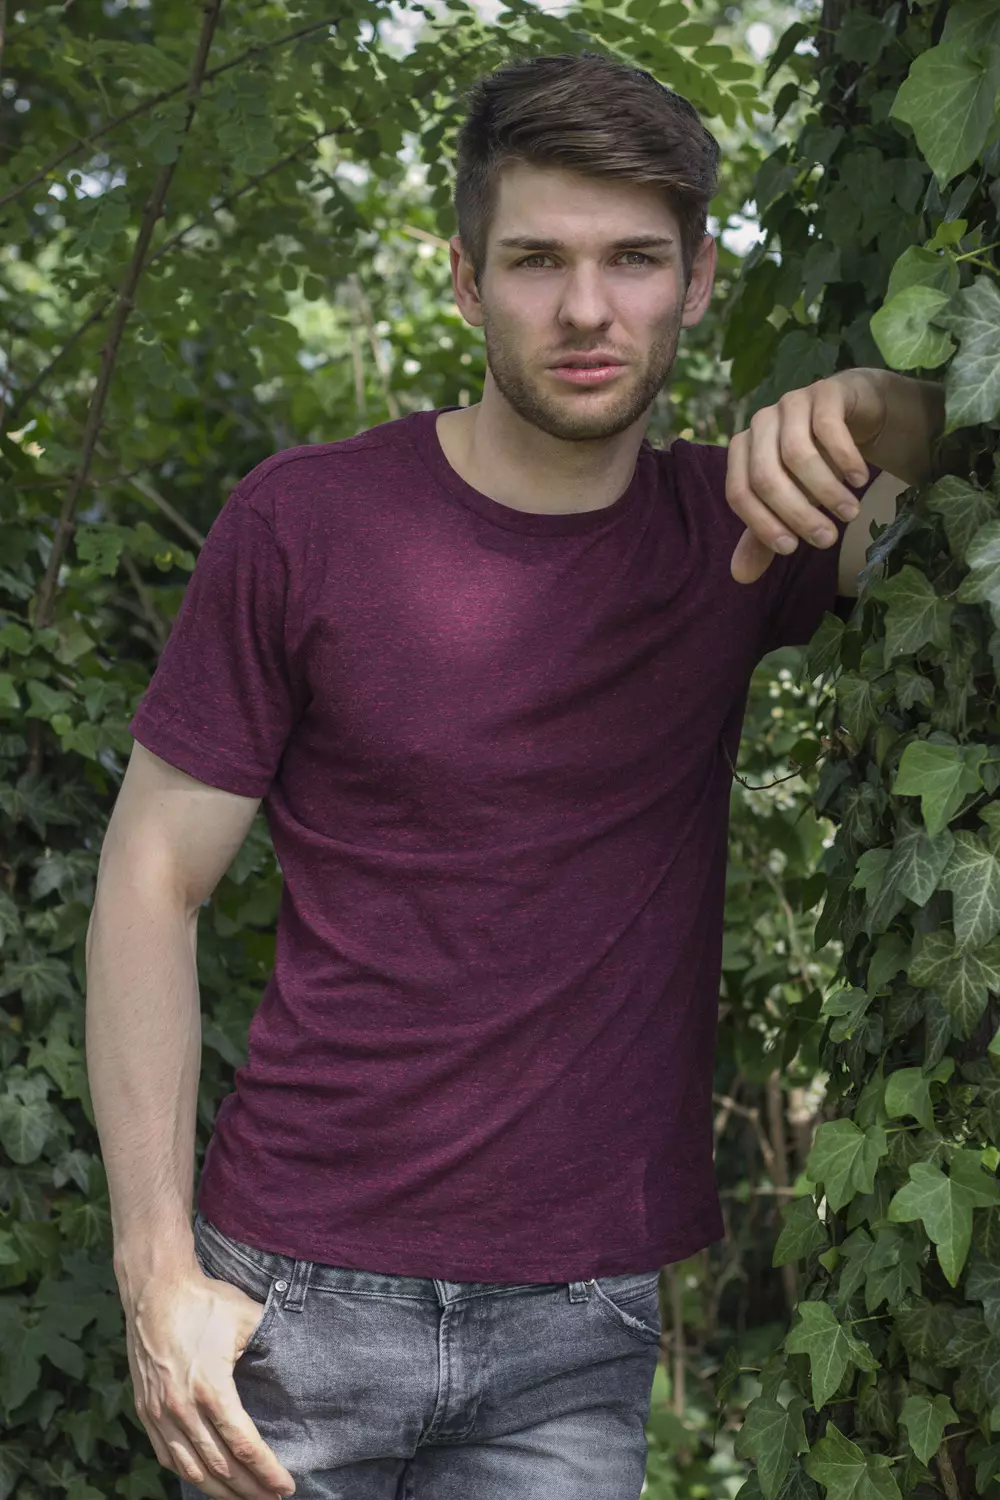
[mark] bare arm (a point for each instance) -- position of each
(169, 841)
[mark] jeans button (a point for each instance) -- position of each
(281, 1286)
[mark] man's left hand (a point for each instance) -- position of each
(796, 460)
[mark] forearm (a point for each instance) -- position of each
(143, 1060)
(915, 418)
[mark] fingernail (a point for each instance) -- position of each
(821, 536)
(857, 477)
(784, 543)
(847, 512)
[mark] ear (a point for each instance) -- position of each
(699, 288)
(463, 281)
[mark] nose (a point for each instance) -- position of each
(585, 302)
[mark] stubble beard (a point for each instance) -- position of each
(576, 417)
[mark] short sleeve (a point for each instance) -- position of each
(220, 704)
(805, 587)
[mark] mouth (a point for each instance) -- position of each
(593, 371)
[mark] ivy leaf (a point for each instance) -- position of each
(802, 1233)
(847, 1473)
(893, 1268)
(903, 332)
(847, 1007)
(919, 266)
(924, 1328)
(917, 615)
(973, 876)
(962, 507)
(772, 1435)
(858, 700)
(824, 648)
(948, 100)
(975, 1350)
(844, 1160)
(962, 979)
(830, 1347)
(856, 1253)
(983, 1285)
(908, 1092)
(25, 1126)
(944, 1205)
(942, 776)
(918, 860)
(925, 1421)
(983, 557)
(972, 383)
(990, 815)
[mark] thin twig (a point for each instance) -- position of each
(45, 599)
(3, 31)
(763, 786)
(753, 1116)
(677, 1322)
(384, 374)
(947, 1472)
(161, 98)
(168, 245)
(160, 501)
(776, 1135)
(150, 613)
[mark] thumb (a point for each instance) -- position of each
(751, 559)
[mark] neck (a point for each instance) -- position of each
(508, 459)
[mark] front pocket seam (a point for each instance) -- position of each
(639, 1330)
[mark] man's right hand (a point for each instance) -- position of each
(184, 1335)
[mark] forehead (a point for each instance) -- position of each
(549, 202)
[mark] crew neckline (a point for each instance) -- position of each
(539, 523)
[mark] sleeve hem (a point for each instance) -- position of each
(206, 765)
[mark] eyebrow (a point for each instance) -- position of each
(633, 242)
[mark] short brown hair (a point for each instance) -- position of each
(586, 114)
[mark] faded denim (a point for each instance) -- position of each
(372, 1387)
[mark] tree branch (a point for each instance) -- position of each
(168, 245)
(149, 104)
(45, 599)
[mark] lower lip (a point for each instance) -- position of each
(576, 375)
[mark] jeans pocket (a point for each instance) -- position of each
(631, 1302)
(220, 1258)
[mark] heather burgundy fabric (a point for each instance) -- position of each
(490, 748)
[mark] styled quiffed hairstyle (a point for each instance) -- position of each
(585, 114)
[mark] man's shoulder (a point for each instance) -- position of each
(312, 463)
(296, 479)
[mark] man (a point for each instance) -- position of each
(484, 666)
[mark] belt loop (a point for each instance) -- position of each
(579, 1291)
(296, 1294)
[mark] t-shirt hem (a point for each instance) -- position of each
(386, 1258)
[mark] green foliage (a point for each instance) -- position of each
(895, 1350)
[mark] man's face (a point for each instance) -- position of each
(582, 271)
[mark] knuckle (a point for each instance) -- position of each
(794, 448)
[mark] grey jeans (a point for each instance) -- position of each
(373, 1387)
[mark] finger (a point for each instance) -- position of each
(830, 428)
(770, 485)
(751, 559)
(800, 457)
(764, 524)
(186, 1458)
(207, 1463)
(238, 1433)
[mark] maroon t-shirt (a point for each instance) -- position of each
(490, 748)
